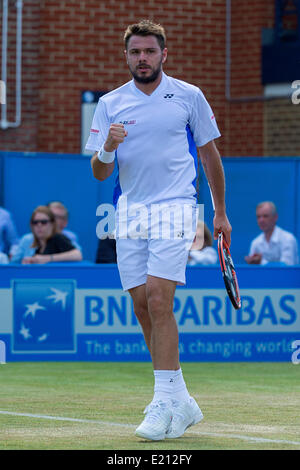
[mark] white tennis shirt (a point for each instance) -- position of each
(282, 247)
(155, 161)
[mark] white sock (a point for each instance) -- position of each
(163, 384)
(170, 384)
(180, 391)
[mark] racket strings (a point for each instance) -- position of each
(228, 271)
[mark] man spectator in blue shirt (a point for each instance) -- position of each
(273, 245)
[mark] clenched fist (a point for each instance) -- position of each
(116, 136)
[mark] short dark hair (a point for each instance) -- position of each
(146, 28)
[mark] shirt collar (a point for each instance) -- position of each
(275, 235)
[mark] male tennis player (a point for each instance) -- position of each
(146, 125)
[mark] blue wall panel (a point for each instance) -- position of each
(297, 199)
(34, 180)
(250, 181)
(28, 180)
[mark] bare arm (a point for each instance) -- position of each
(213, 168)
(71, 255)
(116, 135)
(101, 170)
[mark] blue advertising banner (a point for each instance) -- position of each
(43, 315)
(79, 312)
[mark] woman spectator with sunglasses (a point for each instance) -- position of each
(48, 245)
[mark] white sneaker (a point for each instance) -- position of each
(157, 421)
(185, 414)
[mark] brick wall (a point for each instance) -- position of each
(82, 48)
(69, 46)
(281, 123)
(244, 113)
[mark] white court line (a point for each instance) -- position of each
(133, 426)
(247, 438)
(61, 418)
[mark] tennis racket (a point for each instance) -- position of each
(228, 272)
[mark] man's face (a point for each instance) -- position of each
(61, 218)
(145, 58)
(265, 219)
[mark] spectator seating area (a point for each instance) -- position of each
(31, 179)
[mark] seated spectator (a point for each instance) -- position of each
(25, 248)
(273, 245)
(8, 234)
(48, 245)
(202, 251)
(62, 217)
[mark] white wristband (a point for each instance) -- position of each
(105, 157)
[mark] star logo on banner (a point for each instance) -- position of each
(58, 296)
(32, 309)
(43, 315)
(25, 332)
(42, 337)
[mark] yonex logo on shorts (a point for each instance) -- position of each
(161, 221)
(169, 95)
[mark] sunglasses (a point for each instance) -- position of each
(41, 221)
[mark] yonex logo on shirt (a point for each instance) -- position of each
(133, 121)
(161, 135)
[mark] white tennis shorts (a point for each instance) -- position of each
(148, 244)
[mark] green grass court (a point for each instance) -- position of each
(245, 405)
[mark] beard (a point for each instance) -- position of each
(146, 79)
